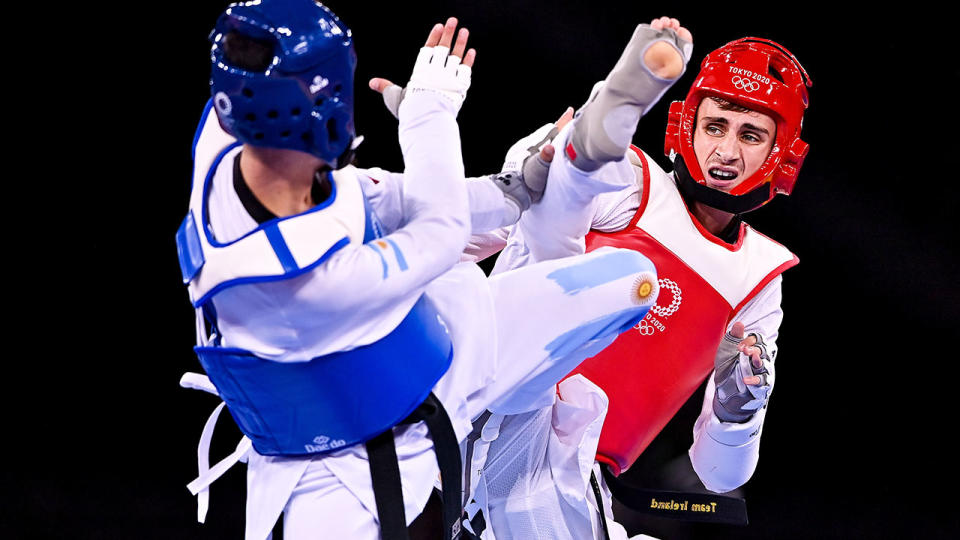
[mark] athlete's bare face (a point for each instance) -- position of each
(731, 145)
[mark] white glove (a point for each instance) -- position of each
(438, 72)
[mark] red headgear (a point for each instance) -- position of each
(763, 76)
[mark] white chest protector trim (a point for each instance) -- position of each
(279, 249)
(733, 271)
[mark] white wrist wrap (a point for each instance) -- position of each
(437, 72)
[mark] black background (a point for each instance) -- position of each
(859, 437)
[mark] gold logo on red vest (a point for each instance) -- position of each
(651, 322)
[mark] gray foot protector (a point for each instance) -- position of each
(605, 126)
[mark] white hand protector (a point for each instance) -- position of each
(523, 177)
(435, 71)
(736, 401)
(605, 125)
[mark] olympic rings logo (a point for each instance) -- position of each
(645, 328)
(743, 83)
(649, 325)
(666, 284)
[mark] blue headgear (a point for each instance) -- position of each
(303, 100)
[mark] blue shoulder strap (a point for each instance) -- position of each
(188, 248)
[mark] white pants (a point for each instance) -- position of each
(532, 468)
(535, 467)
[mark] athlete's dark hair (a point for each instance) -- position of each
(247, 53)
(728, 105)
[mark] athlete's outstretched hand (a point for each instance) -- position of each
(434, 67)
(744, 375)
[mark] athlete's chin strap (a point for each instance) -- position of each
(385, 472)
(347, 157)
(714, 198)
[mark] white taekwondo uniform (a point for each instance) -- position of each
(522, 330)
(530, 472)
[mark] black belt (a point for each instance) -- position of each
(671, 504)
(385, 472)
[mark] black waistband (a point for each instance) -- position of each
(385, 472)
(676, 504)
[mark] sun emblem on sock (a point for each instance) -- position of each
(645, 289)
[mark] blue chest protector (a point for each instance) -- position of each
(329, 402)
(336, 400)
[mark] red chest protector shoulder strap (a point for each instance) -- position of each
(652, 369)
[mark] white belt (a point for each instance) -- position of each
(207, 474)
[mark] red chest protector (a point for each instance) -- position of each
(651, 370)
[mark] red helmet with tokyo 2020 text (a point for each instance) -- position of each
(760, 75)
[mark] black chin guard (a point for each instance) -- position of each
(714, 198)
